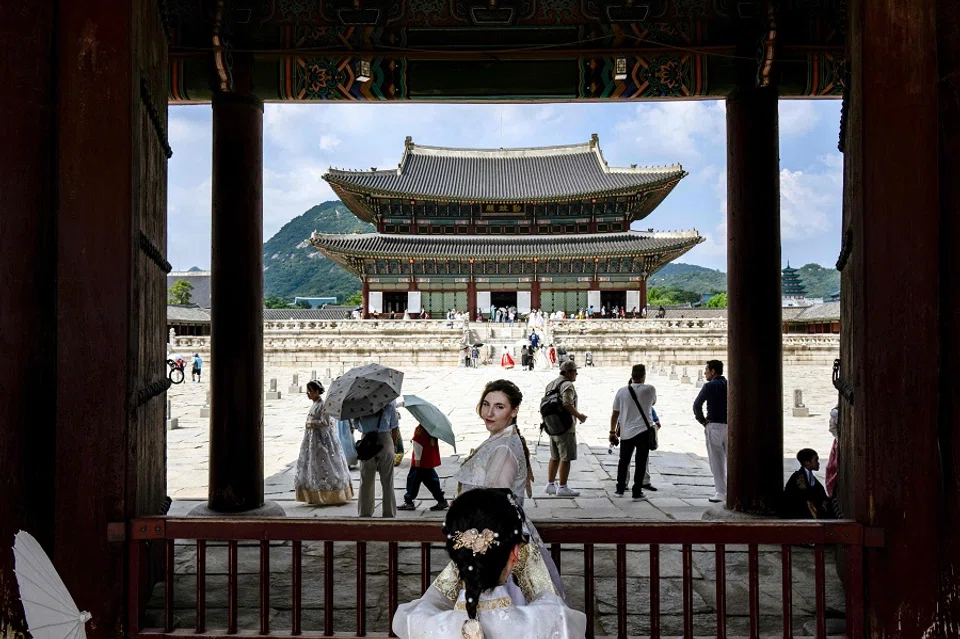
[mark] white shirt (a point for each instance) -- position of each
(631, 422)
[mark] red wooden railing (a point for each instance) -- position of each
(584, 536)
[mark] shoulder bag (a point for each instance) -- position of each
(651, 431)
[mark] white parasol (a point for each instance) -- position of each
(48, 606)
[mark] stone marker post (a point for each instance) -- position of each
(295, 385)
(799, 410)
(700, 379)
(673, 371)
(205, 409)
(172, 422)
(684, 379)
(273, 393)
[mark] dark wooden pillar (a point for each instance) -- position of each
(901, 197)
(236, 342)
(754, 369)
(535, 293)
(365, 294)
(28, 312)
(643, 295)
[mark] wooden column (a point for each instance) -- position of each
(754, 368)
(535, 292)
(365, 294)
(901, 197)
(643, 294)
(28, 298)
(236, 343)
(471, 296)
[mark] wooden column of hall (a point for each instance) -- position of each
(899, 441)
(754, 366)
(236, 314)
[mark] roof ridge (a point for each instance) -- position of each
(682, 234)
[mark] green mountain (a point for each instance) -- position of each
(292, 267)
(819, 281)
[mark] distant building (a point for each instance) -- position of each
(815, 318)
(793, 292)
(200, 280)
(536, 228)
(315, 302)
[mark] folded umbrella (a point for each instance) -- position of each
(362, 391)
(431, 418)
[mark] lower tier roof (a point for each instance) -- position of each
(341, 248)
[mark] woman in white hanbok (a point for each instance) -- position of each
(487, 544)
(322, 477)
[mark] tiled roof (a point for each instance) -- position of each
(504, 175)
(200, 295)
(187, 314)
(325, 313)
(377, 245)
(826, 312)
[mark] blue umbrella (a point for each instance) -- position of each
(431, 418)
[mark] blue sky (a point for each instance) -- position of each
(301, 141)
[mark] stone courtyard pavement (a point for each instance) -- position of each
(678, 469)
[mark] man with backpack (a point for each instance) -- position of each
(631, 423)
(560, 424)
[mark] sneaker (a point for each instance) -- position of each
(551, 489)
(640, 497)
(649, 487)
(407, 505)
(566, 491)
(717, 498)
(619, 493)
(440, 505)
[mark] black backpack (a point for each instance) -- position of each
(556, 418)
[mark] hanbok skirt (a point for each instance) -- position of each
(322, 477)
(506, 360)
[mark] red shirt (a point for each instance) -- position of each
(431, 449)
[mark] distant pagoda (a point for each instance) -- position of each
(792, 287)
(537, 228)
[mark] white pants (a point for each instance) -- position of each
(716, 435)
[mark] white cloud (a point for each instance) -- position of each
(797, 117)
(809, 199)
(328, 142)
(668, 132)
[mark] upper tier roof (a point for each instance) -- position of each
(504, 175)
(378, 245)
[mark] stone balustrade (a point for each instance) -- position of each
(323, 343)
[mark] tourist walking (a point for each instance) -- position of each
(714, 393)
(197, 365)
(631, 422)
(322, 477)
(378, 427)
(423, 470)
(487, 593)
(563, 448)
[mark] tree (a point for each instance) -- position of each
(717, 301)
(275, 301)
(303, 304)
(354, 300)
(670, 296)
(180, 293)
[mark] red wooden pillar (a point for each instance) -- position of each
(471, 297)
(754, 369)
(643, 295)
(236, 342)
(365, 294)
(535, 293)
(901, 197)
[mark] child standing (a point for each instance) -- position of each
(423, 464)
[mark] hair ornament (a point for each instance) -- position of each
(478, 542)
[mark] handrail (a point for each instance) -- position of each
(586, 537)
